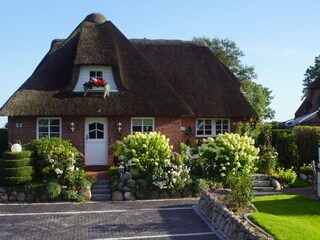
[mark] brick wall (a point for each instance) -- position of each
(171, 128)
(21, 129)
(76, 137)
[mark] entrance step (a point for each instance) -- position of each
(101, 190)
(263, 183)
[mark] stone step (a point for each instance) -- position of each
(100, 191)
(102, 182)
(260, 177)
(101, 197)
(100, 186)
(262, 188)
(262, 183)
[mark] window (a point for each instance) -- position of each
(144, 125)
(95, 74)
(49, 127)
(211, 127)
(96, 130)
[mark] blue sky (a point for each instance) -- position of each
(279, 38)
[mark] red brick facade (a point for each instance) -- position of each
(23, 129)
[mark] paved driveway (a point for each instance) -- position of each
(163, 219)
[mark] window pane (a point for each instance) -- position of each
(99, 135)
(55, 122)
(43, 129)
(99, 74)
(92, 135)
(43, 122)
(147, 129)
(41, 135)
(54, 135)
(136, 122)
(54, 129)
(200, 130)
(136, 128)
(100, 126)
(92, 126)
(92, 74)
(148, 122)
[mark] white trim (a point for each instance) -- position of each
(213, 126)
(49, 118)
(142, 118)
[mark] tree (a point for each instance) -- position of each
(310, 75)
(230, 55)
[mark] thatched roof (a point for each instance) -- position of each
(154, 78)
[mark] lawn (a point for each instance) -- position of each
(288, 216)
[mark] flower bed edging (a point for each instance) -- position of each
(233, 226)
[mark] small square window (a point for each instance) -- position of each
(49, 127)
(144, 125)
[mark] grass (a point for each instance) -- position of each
(299, 183)
(288, 217)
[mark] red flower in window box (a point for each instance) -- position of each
(97, 82)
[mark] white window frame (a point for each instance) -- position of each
(49, 118)
(213, 126)
(142, 118)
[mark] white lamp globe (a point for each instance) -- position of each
(16, 147)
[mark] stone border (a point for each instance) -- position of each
(234, 227)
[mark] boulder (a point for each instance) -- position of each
(126, 176)
(12, 198)
(126, 189)
(128, 196)
(275, 184)
(4, 197)
(21, 197)
(140, 194)
(303, 176)
(86, 193)
(29, 197)
(117, 196)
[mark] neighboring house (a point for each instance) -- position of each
(308, 112)
(155, 85)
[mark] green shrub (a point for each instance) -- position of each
(16, 155)
(199, 185)
(288, 176)
(113, 171)
(71, 195)
(15, 163)
(17, 172)
(306, 169)
(131, 183)
(268, 160)
(241, 193)
(53, 190)
(13, 181)
(226, 155)
(285, 143)
(308, 139)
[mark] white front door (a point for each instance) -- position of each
(96, 138)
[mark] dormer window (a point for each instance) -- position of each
(88, 73)
(95, 74)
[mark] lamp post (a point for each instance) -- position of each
(121, 170)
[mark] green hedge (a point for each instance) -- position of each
(12, 181)
(308, 139)
(17, 172)
(14, 163)
(16, 155)
(285, 142)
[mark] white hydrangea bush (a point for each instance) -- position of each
(228, 154)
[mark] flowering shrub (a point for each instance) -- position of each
(144, 150)
(226, 155)
(268, 160)
(59, 163)
(170, 174)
